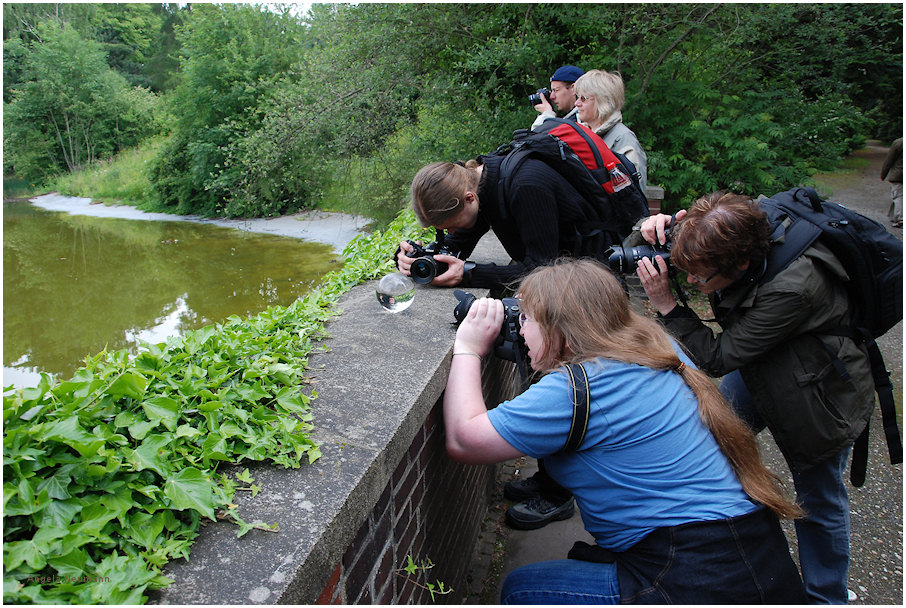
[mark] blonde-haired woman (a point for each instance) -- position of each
(600, 96)
(668, 480)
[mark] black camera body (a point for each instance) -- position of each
(425, 268)
(535, 98)
(509, 345)
(624, 260)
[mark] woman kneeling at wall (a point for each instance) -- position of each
(668, 480)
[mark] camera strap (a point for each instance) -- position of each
(578, 380)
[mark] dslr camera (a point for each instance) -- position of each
(425, 268)
(624, 260)
(509, 345)
(535, 98)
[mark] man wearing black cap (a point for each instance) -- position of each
(562, 95)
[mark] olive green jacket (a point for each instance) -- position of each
(772, 336)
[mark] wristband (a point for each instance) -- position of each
(465, 352)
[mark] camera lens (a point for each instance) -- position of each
(624, 259)
(423, 270)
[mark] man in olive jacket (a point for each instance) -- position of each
(776, 371)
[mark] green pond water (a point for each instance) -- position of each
(74, 285)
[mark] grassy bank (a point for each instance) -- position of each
(122, 180)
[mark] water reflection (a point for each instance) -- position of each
(74, 285)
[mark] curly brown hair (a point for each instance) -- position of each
(721, 231)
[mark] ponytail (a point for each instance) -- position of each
(738, 444)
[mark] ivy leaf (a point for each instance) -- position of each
(144, 528)
(73, 564)
(22, 551)
(70, 432)
(162, 409)
(60, 512)
(187, 430)
(292, 400)
(190, 489)
(148, 455)
(140, 428)
(129, 384)
(210, 406)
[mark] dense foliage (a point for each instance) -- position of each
(270, 111)
(73, 109)
(108, 476)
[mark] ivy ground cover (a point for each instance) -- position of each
(108, 475)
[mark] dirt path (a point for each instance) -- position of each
(861, 189)
(335, 229)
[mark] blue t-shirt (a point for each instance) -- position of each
(647, 460)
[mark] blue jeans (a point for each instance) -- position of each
(565, 581)
(823, 534)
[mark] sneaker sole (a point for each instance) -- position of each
(535, 524)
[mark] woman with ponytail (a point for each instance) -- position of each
(668, 480)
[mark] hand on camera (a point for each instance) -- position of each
(479, 330)
(544, 106)
(403, 262)
(655, 227)
(453, 276)
(656, 283)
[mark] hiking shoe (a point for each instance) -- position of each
(522, 489)
(537, 512)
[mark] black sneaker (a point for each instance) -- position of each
(537, 512)
(522, 489)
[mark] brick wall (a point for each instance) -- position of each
(432, 508)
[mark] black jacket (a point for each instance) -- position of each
(544, 218)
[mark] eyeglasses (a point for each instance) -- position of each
(698, 279)
(584, 99)
(523, 319)
(558, 89)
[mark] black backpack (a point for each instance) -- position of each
(581, 157)
(873, 259)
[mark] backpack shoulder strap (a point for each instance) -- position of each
(578, 380)
(884, 390)
(508, 166)
(791, 237)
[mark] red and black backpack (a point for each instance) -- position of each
(582, 158)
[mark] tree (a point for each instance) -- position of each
(71, 108)
(232, 57)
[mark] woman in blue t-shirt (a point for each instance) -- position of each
(668, 480)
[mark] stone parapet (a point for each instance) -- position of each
(384, 488)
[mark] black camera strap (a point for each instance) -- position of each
(578, 380)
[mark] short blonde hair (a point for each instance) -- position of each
(439, 191)
(607, 89)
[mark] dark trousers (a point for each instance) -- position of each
(550, 489)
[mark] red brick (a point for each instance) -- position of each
(328, 594)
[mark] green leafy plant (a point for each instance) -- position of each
(108, 475)
(413, 571)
